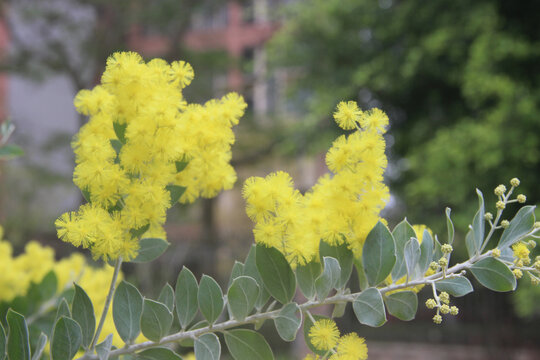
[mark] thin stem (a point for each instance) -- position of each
(107, 304)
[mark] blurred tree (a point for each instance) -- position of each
(459, 79)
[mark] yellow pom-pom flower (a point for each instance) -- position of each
(352, 347)
(324, 334)
(347, 115)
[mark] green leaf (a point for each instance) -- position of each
(2, 342)
(66, 339)
(136, 233)
(166, 296)
(120, 131)
(457, 286)
(288, 321)
(307, 327)
(176, 192)
(48, 286)
(329, 277)
(470, 243)
(494, 275)
(426, 253)
(437, 252)
(40, 346)
(116, 145)
(86, 195)
(340, 307)
(369, 308)
(402, 233)
(83, 313)
(362, 278)
(343, 255)
(18, 347)
(127, 311)
(63, 310)
(250, 269)
(449, 226)
(246, 344)
(411, 253)
(242, 296)
(378, 255)
(477, 236)
(158, 353)
(306, 276)
(186, 297)
(150, 249)
(277, 276)
(210, 298)
(156, 320)
(237, 270)
(180, 165)
(207, 347)
(104, 348)
(520, 225)
(402, 304)
(10, 151)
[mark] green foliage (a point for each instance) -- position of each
(127, 311)
(379, 254)
(288, 321)
(402, 305)
(494, 275)
(66, 339)
(207, 347)
(248, 344)
(210, 298)
(186, 297)
(83, 314)
(18, 347)
(369, 308)
(156, 320)
(150, 249)
(457, 287)
(276, 273)
(242, 295)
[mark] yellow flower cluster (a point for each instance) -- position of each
(31, 266)
(142, 146)
(342, 207)
(324, 335)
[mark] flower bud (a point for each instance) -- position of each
(454, 310)
(505, 224)
(437, 319)
(521, 198)
(488, 216)
(496, 252)
(445, 309)
(430, 303)
(500, 205)
(517, 273)
(433, 266)
(514, 182)
(443, 262)
(444, 297)
(446, 248)
(500, 190)
(532, 244)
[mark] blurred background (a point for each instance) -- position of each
(460, 81)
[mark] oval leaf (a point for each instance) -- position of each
(250, 269)
(186, 297)
(237, 270)
(520, 225)
(478, 225)
(83, 313)
(426, 254)
(242, 296)
(411, 252)
(158, 353)
(402, 305)
(156, 320)
(66, 339)
(246, 344)
(288, 321)
(402, 233)
(457, 287)
(277, 276)
(369, 308)
(494, 275)
(449, 226)
(306, 276)
(18, 347)
(150, 249)
(210, 298)
(329, 277)
(378, 255)
(166, 296)
(345, 258)
(127, 311)
(207, 347)
(63, 310)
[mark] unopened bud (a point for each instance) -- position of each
(433, 266)
(430, 303)
(505, 224)
(443, 262)
(535, 280)
(536, 265)
(537, 224)
(454, 310)
(500, 205)
(521, 198)
(514, 182)
(496, 252)
(445, 309)
(444, 297)
(500, 190)
(517, 273)
(437, 319)
(488, 216)
(446, 248)
(532, 244)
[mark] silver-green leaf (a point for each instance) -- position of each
(66, 339)
(186, 297)
(369, 308)
(246, 344)
(166, 296)
(150, 249)
(306, 276)
(83, 313)
(519, 226)
(343, 255)
(156, 320)
(401, 234)
(276, 273)
(288, 321)
(104, 348)
(402, 304)
(329, 277)
(458, 286)
(378, 255)
(207, 347)
(18, 347)
(494, 275)
(411, 252)
(158, 353)
(40, 346)
(242, 295)
(210, 298)
(127, 311)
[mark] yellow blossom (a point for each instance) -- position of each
(324, 334)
